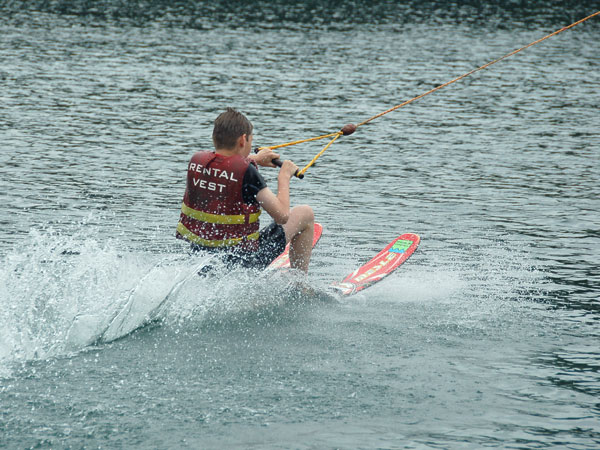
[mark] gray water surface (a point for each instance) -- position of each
(487, 336)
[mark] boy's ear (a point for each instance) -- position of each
(241, 141)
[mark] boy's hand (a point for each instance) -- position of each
(264, 157)
(288, 169)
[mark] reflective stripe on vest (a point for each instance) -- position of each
(187, 234)
(219, 218)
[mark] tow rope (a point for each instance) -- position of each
(351, 128)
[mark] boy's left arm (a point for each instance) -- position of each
(264, 157)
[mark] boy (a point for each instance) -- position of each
(224, 196)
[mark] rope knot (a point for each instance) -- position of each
(348, 129)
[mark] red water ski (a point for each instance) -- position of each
(384, 263)
(283, 260)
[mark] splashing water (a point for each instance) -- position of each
(61, 293)
(58, 293)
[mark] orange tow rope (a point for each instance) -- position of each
(350, 128)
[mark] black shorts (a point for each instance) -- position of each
(271, 243)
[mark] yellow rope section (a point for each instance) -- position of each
(273, 147)
(476, 70)
(337, 134)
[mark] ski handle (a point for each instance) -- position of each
(279, 163)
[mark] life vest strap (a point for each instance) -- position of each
(236, 219)
(190, 236)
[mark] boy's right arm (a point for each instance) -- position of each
(278, 206)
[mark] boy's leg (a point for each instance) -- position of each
(299, 231)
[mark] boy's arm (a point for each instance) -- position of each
(264, 157)
(278, 206)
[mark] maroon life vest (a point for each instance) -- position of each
(213, 213)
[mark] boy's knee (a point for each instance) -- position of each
(307, 213)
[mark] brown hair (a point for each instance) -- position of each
(229, 126)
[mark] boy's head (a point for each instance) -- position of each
(229, 126)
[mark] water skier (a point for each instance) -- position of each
(225, 194)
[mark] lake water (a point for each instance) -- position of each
(487, 337)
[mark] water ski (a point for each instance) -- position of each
(380, 266)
